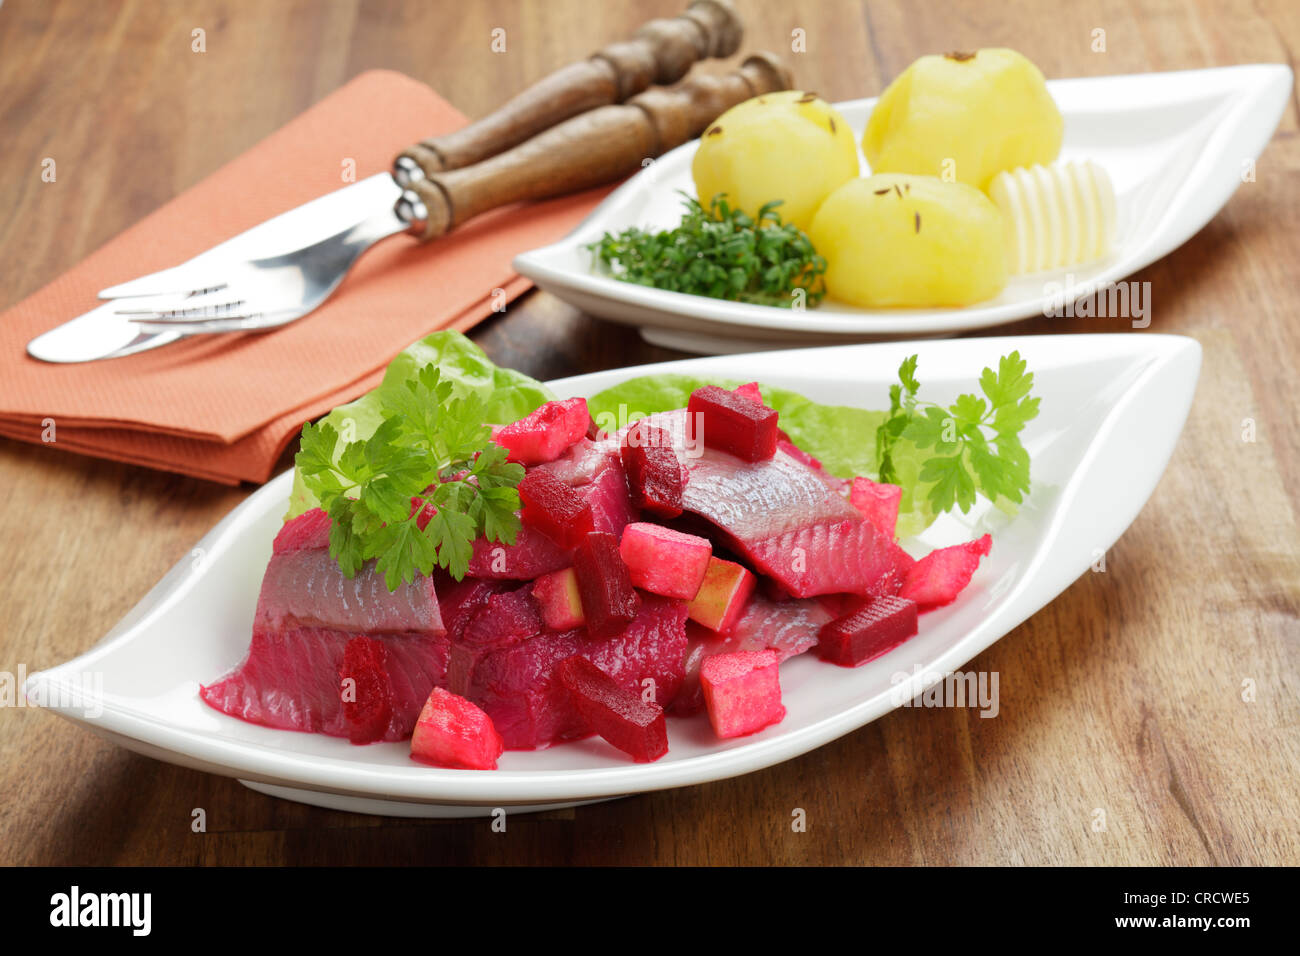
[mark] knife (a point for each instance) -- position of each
(431, 189)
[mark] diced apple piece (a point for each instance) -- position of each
(609, 601)
(878, 626)
(941, 575)
(560, 601)
(731, 423)
(655, 477)
(631, 724)
(742, 691)
(453, 732)
(663, 561)
(721, 598)
(878, 503)
(546, 432)
(554, 509)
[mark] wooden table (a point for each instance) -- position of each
(1125, 695)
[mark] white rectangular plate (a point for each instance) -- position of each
(1112, 409)
(1176, 146)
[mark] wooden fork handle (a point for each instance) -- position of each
(594, 148)
(661, 52)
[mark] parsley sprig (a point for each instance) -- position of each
(976, 440)
(719, 252)
(429, 446)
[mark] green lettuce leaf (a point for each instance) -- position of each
(508, 395)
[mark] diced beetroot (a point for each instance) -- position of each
(664, 561)
(878, 504)
(862, 635)
(365, 689)
(838, 605)
(453, 732)
(622, 717)
(742, 691)
(560, 600)
(553, 508)
(721, 597)
(939, 577)
(426, 511)
(609, 601)
(655, 477)
(750, 391)
(544, 433)
(731, 423)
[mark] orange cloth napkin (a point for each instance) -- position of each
(224, 407)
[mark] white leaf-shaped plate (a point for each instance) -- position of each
(1112, 408)
(1176, 146)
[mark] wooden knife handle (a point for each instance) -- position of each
(661, 52)
(594, 148)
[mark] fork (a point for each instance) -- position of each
(221, 292)
(227, 289)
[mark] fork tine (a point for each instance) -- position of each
(220, 303)
(250, 322)
(179, 280)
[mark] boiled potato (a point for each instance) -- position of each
(790, 146)
(899, 240)
(964, 116)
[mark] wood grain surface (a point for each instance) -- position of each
(1125, 695)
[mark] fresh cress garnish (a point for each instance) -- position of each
(976, 440)
(722, 253)
(430, 446)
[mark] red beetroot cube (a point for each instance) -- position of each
(878, 626)
(633, 725)
(750, 391)
(654, 475)
(453, 732)
(365, 689)
(742, 691)
(546, 432)
(663, 561)
(554, 509)
(609, 601)
(722, 596)
(878, 503)
(731, 423)
(941, 575)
